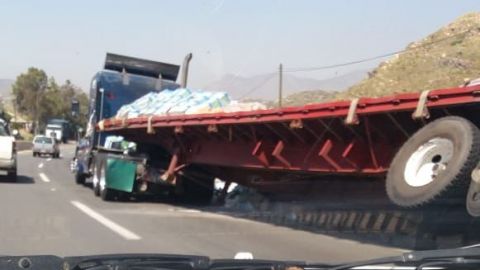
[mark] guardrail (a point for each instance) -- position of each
(24, 145)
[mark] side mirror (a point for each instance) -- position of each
(15, 132)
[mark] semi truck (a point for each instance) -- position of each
(113, 171)
(424, 146)
(59, 129)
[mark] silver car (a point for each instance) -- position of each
(43, 145)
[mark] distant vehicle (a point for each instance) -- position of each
(8, 153)
(55, 132)
(43, 145)
(60, 129)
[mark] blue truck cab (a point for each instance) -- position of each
(122, 80)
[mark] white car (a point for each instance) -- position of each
(8, 153)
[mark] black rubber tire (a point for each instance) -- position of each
(12, 175)
(34, 154)
(80, 178)
(196, 188)
(96, 190)
(107, 194)
(96, 187)
(453, 181)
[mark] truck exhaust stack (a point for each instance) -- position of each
(186, 63)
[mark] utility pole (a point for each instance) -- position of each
(37, 115)
(280, 85)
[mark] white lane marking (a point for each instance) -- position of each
(44, 177)
(49, 159)
(122, 231)
(386, 267)
(40, 165)
(53, 189)
(184, 210)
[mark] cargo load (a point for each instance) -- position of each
(185, 101)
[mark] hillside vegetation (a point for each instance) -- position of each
(445, 58)
(307, 97)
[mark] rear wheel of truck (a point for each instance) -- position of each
(435, 163)
(106, 193)
(96, 180)
(196, 187)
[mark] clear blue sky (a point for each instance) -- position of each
(69, 39)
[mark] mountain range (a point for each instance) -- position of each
(5, 87)
(265, 86)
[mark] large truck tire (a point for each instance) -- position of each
(106, 193)
(80, 178)
(96, 180)
(435, 163)
(196, 188)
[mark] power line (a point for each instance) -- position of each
(302, 69)
(258, 85)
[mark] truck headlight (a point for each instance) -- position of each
(140, 169)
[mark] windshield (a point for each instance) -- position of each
(321, 131)
(43, 140)
(3, 130)
(54, 128)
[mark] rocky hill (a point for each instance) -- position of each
(307, 97)
(443, 59)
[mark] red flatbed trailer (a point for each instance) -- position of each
(352, 138)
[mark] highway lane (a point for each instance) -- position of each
(45, 212)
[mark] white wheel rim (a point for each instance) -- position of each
(102, 179)
(95, 177)
(428, 161)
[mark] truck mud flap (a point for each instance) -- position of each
(120, 174)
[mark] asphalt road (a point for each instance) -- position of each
(45, 212)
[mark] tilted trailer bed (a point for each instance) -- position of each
(427, 142)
